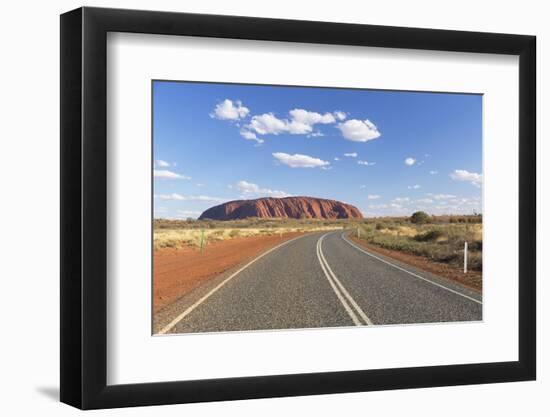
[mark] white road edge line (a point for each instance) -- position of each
(342, 300)
(409, 272)
(342, 288)
(179, 318)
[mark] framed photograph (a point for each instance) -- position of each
(256, 208)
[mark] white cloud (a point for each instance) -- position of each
(340, 115)
(425, 201)
(180, 197)
(301, 122)
(227, 110)
(366, 163)
(461, 201)
(173, 196)
(162, 164)
(373, 196)
(395, 206)
(266, 124)
(298, 122)
(433, 172)
(161, 213)
(378, 206)
(310, 117)
(463, 175)
(165, 174)
(359, 130)
(336, 158)
(441, 196)
(204, 198)
(248, 135)
(351, 155)
(444, 204)
(401, 200)
(462, 205)
(413, 187)
(183, 214)
(251, 189)
(410, 161)
(299, 161)
(189, 212)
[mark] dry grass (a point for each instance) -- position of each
(438, 242)
(251, 222)
(178, 237)
(441, 240)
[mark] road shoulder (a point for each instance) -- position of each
(436, 278)
(188, 297)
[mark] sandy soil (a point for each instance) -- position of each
(178, 271)
(472, 279)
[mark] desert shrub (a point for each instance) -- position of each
(476, 245)
(420, 217)
(429, 236)
(475, 261)
(441, 242)
(171, 243)
(367, 229)
(234, 233)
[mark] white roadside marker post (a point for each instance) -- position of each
(465, 257)
(358, 233)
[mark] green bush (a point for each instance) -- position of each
(420, 217)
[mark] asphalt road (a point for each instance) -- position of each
(321, 280)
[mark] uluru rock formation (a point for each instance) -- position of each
(287, 207)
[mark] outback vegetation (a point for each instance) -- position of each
(440, 239)
(437, 238)
(200, 233)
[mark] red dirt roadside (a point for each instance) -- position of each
(178, 271)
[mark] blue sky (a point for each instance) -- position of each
(386, 152)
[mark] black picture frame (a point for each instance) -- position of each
(84, 207)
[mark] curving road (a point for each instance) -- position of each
(320, 280)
